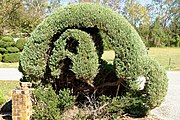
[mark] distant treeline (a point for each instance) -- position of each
(158, 23)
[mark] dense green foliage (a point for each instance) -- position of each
(20, 43)
(3, 50)
(6, 41)
(8, 50)
(12, 49)
(0, 57)
(11, 57)
(65, 51)
(48, 105)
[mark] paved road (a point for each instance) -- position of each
(10, 74)
(170, 108)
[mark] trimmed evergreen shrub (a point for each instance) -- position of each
(0, 57)
(6, 41)
(7, 38)
(12, 49)
(20, 43)
(48, 105)
(11, 57)
(65, 50)
(3, 50)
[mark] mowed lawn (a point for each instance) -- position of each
(167, 57)
(6, 87)
(9, 65)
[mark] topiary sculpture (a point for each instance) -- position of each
(66, 49)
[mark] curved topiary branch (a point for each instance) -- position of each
(126, 43)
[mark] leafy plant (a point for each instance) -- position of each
(11, 57)
(48, 105)
(20, 43)
(3, 50)
(1, 57)
(12, 49)
(6, 41)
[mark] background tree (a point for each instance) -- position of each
(136, 13)
(24, 15)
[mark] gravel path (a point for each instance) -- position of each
(170, 108)
(10, 74)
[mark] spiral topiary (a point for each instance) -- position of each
(67, 48)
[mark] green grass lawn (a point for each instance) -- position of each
(9, 65)
(6, 87)
(162, 55)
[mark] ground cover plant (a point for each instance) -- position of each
(65, 52)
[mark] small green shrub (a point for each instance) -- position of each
(11, 57)
(12, 49)
(20, 43)
(2, 99)
(0, 57)
(117, 106)
(66, 100)
(4, 44)
(6, 41)
(3, 50)
(7, 38)
(47, 105)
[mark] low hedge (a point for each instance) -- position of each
(6, 41)
(4, 44)
(7, 38)
(3, 50)
(20, 43)
(11, 57)
(0, 57)
(12, 49)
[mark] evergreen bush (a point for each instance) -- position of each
(0, 57)
(11, 57)
(7, 38)
(3, 50)
(65, 50)
(20, 43)
(12, 49)
(6, 41)
(48, 105)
